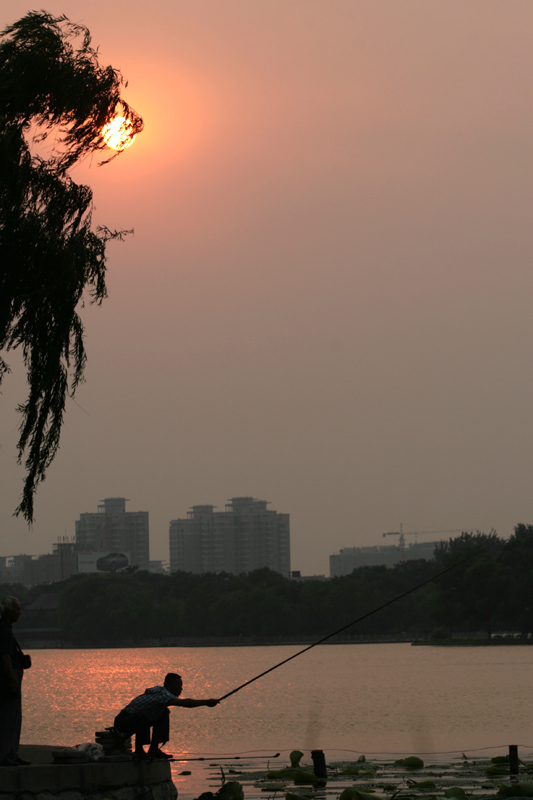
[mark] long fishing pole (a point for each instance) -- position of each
(354, 622)
(224, 758)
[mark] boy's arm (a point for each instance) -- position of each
(185, 703)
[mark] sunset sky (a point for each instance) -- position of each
(326, 302)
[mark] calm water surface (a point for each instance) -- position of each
(372, 699)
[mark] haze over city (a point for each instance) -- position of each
(326, 300)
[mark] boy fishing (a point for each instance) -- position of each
(150, 710)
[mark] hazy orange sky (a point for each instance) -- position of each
(327, 299)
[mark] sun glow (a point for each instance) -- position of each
(118, 134)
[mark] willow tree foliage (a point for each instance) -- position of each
(51, 260)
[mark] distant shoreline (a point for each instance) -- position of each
(474, 643)
(33, 642)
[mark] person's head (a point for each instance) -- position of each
(173, 683)
(10, 609)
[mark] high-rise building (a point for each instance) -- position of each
(244, 537)
(66, 554)
(47, 568)
(112, 529)
(349, 558)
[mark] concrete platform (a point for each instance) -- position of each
(113, 780)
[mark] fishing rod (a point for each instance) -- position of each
(224, 758)
(354, 622)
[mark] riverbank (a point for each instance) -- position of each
(107, 779)
(30, 641)
(494, 642)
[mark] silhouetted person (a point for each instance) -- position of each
(150, 710)
(12, 663)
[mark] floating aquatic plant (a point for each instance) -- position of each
(363, 768)
(278, 786)
(295, 757)
(228, 791)
(455, 791)
(497, 770)
(411, 762)
(520, 789)
(352, 793)
(422, 784)
(299, 776)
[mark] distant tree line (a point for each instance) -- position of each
(489, 588)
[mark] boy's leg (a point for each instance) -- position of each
(128, 724)
(160, 735)
(142, 737)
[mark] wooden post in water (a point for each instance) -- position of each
(319, 763)
(513, 760)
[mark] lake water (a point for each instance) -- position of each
(381, 700)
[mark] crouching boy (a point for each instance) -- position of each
(150, 710)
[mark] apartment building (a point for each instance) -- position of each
(112, 529)
(244, 537)
(349, 558)
(48, 568)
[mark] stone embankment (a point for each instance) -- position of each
(110, 779)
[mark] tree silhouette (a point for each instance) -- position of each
(51, 82)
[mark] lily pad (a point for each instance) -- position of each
(294, 796)
(231, 791)
(521, 789)
(496, 770)
(411, 762)
(299, 776)
(455, 791)
(295, 757)
(352, 793)
(360, 769)
(422, 784)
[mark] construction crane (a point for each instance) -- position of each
(402, 534)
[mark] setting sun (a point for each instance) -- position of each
(119, 133)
